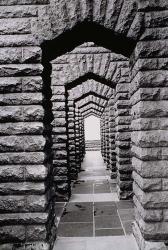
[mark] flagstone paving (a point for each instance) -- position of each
(94, 217)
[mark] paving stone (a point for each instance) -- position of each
(102, 210)
(107, 222)
(124, 204)
(75, 230)
(109, 232)
(83, 215)
(126, 214)
(128, 227)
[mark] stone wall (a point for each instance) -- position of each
(26, 214)
(35, 114)
(149, 124)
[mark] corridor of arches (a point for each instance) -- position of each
(94, 217)
(60, 63)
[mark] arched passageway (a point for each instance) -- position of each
(41, 129)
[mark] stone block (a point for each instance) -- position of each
(37, 246)
(18, 40)
(35, 172)
(150, 154)
(151, 200)
(149, 94)
(20, 70)
(36, 203)
(154, 138)
(22, 158)
(148, 79)
(150, 124)
(59, 122)
(60, 155)
(29, 203)
(20, 55)
(58, 98)
(18, 128)
(59, 130)
(15, 26)
(23, 2)
(148, 215)
(22, 143)
(23, 218)
(151, 169)
(60, 138)
(152, 49)
(22, 188)
(32, 84)
(20, 99)
(58, 171)
(59, 106)
(164, 184)
(146, 245)
(148, 5)
(11, 172)
(21, 113)
(154, 231)
(12, 234)
(156, 19)
(12, 84)
(150, 184)
(60, 163)
(18, 11)
(124, 136)
(58, 114)
(36, 233)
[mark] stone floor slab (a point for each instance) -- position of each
(109, 232)
(75, 230)
(95, 219)
(107, 222)
(97, 243)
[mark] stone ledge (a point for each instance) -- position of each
(146, 245)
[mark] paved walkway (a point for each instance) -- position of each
(95, 218)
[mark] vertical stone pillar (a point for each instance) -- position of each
(150, 124)
(112, 134)
(82, 137)
(60, 139)
(25, 144)
(107, 137)
(77, 140)
(71, 140)
(103, 135)
(123, 136)
(81, 146)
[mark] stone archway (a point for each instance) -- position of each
(25, 136)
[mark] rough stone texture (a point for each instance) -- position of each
(36, 120)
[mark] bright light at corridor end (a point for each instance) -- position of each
(92, 128)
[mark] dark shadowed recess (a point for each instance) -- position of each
(87, 32)
(90, 93)
(95, 109)
(91, 102)
(92, 113)
(90, 76)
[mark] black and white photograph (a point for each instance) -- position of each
(83, 124)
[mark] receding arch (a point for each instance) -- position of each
(92, 110)
(91, 113)
(87, 32)
(93, 94)
(88, 76)
(90, 102)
